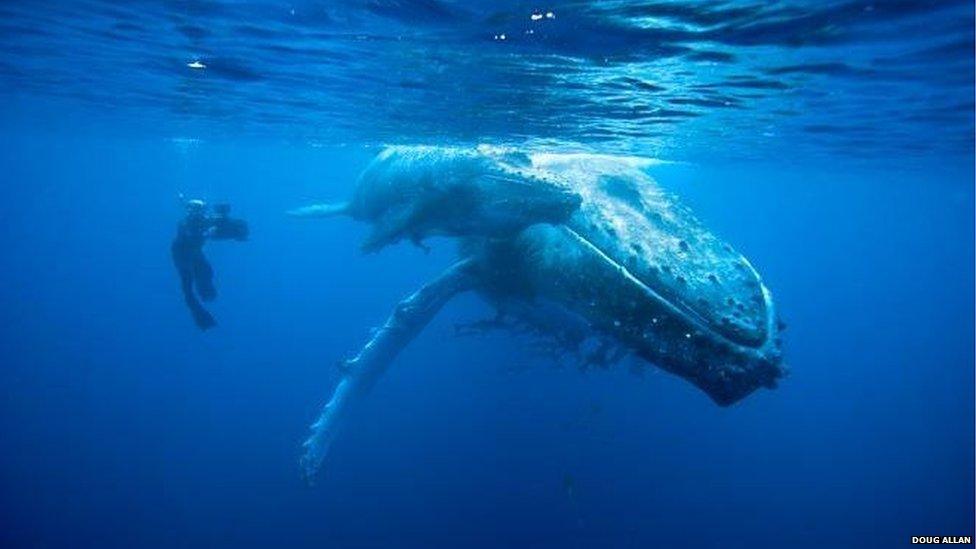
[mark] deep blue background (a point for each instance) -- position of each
(123, 426)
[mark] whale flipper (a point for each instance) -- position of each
(361, 372)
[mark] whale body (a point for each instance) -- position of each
(571, 244)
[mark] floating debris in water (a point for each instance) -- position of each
(538, 15)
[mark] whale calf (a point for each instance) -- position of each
(431, 191)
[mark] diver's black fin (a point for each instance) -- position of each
(202, 317)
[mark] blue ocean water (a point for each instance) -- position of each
(831, 142)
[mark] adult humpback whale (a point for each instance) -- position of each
(573, 245)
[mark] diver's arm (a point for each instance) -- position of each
(210, 227)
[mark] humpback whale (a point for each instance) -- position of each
(447, 192)
(588, 238)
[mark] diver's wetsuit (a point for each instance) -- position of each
(193, 267)
(196, 274)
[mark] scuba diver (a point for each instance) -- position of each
(196, 274)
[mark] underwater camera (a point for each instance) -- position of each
(226, 227)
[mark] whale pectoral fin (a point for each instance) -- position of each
(361, 372)
(392, 227)
(320, 210)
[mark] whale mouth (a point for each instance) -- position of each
(682, 309)
(726, 368)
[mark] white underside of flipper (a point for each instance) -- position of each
(408, 318)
